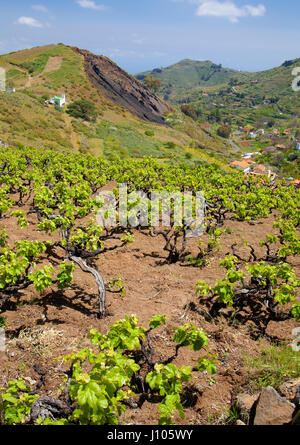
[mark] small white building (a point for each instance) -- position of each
(298, 146)
(58, 100)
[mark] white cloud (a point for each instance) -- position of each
(90, 4)
(118, 53)
(40, 8)
(256, 11)
(137, 40)
(228, 9)
(28, 21)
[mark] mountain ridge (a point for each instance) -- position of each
(122, 88)
(187, 75)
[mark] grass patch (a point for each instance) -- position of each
(37, 65)
(274, 366)
(120, 137)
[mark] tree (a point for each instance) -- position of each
(218, 115)
(82, 109)
(233, 81)
(189, 110)
(152, 83)
(271, 123)
(224, 131)
(278, 159)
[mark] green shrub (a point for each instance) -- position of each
(82, 109)
(149, 133)
(224, 131)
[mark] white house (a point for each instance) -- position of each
(58, 100)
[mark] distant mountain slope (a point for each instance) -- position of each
(275, 81)
(254, 99)
(243, 97)
(186, 74)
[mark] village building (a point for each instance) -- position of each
(269, 150)
(297, 183)
(245, 130)
(242, 165)
(249, 155)
(57, 100)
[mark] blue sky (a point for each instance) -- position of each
(143, 34)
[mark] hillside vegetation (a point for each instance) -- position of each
(188, 75)
(244, 96)
(206, 307)
(143, 279)
(43, 72)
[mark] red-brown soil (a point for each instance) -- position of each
(41, 328)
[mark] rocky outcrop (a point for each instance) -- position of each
(246, 404)
(122, 89)
(291, 390)
(271, 408)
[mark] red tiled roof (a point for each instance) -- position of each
(242, 164)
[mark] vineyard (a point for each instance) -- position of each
(129, 324)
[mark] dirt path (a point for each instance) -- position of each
(53, 64)
(236, 147)
(27, 84)
(74, 140)
(29, 81)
